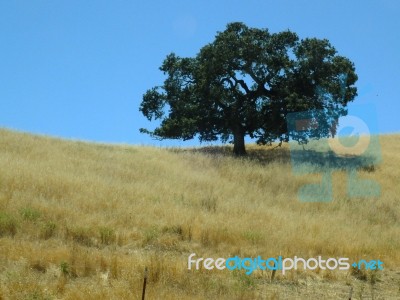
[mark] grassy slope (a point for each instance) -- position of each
(81, 221)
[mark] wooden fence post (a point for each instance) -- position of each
(144, 283)
(351, 293)
(273, 273)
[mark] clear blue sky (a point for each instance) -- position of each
(78, 69)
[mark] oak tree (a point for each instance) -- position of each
(245, 83)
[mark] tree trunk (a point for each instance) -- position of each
(238, 143)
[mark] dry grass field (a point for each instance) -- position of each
(82, 220)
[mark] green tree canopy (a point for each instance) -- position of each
(244, 83)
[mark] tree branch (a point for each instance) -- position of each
(226, 79)
(253, 76)
(242, 84)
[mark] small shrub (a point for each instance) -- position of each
(107, 235)
(48, 229)
(64, 267)
(8, 225)
(30, 214)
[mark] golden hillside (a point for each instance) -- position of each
(82, 220)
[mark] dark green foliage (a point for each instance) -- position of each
(244, 83)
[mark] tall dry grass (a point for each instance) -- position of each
(81, 221)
